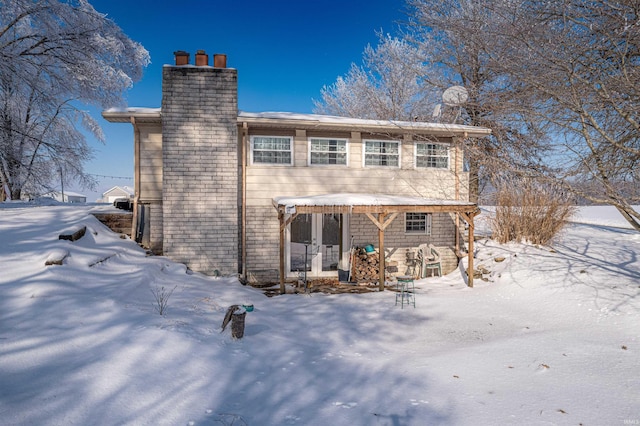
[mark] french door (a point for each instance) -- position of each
(315, 244)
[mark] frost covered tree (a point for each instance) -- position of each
(55, 56)
(576, 64)
(444, 44)
(388, 84)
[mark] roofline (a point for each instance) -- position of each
(307, 121)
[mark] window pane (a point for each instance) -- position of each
(416, 223)
(272, 150)
(382, 153)
(329, 151)
(432, 155)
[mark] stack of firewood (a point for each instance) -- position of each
(365, 266)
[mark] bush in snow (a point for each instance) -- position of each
(529, 211)
(161, 296)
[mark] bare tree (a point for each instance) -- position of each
(557, 82)
(56, 55)
(445, 43)
(577, 66)
(460, 38)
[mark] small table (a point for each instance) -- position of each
(405, 291)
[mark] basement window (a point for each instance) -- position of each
(271, 150)
(432, 155)
(382, 153)
(327, 151)
(417, 223)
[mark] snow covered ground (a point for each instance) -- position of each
(551, 338)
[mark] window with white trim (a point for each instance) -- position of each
(417, 223)
(432, 155)
(382, 153)
(272, 150)
(327, 151)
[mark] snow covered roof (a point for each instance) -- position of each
(313, 121)
(122, 189)
(369, 203)
(335, 122)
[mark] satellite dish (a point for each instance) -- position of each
(455, 96)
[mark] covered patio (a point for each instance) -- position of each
(381, 209)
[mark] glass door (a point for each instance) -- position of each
(315, 244)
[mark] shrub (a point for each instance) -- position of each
(530, 211)
(161, 296)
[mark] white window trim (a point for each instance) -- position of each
(415, 155)
(291, 143)
(364, 154)
(428, 224)
(327, 165)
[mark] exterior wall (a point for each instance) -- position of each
(267, 181)
(150, 162)
(200, 176)
(263, 249)
(397, 242)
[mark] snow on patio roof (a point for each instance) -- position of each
(364, 200)
(368, 203)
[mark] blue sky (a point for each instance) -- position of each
(285, 51)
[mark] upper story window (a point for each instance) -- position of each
(432, 155)
(382, 153)
(327, 151)
(417, 223)
(272, 150)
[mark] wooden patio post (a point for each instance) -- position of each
(282, 229)
(470, 266)
(381, 250)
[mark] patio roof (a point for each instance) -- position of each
(387, 208)
(369, 203)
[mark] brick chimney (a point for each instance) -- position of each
(200, 165)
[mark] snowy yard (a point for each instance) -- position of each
(551, 338)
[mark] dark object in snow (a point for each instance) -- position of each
(123, 204)
(73, 236)
(236, 315)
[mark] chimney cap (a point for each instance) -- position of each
(181, 57)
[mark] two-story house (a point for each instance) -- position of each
(267, 195)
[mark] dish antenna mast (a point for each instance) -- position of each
(454, 97)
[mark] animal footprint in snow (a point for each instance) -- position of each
(543, 367)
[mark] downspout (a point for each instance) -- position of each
(136, 179)
(243, 208)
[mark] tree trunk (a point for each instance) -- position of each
(629, 217)
(474, 179)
